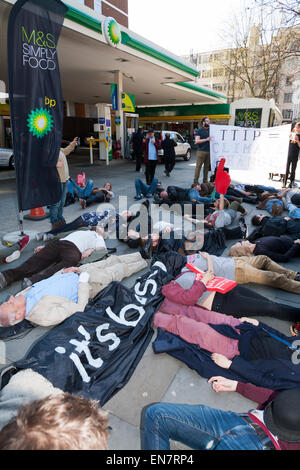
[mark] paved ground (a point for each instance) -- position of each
(157, 378)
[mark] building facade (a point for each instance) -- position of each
(118, 9)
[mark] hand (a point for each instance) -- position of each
(71, 270)
(221, 360)
(208, 276)
(220, 384)
(249, 320)
(75, 139)
(209, 139)
(84, 277)
(297, 241)
(223, 179)
(38, 249)
(87, 253)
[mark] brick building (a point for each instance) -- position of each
(118, 9)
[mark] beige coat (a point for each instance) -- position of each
(63, 172)
(51, 310)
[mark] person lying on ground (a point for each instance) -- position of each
(269, 427)
(271, 203)
(245, 269)
(224, 213)
(56, 255)
(52, 300)
(97, 196)
(143, 190)
(38, 416)
(274, 226)
(107, 219)
(8, 254)
(281, 249)
(248, 348)
(240, 301)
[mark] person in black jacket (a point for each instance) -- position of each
(137, 147)
(274, 226)
(168, 146)
(280, 249)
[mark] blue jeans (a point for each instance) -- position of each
(56, 210)
(198, 427)
(83, 192)
(294, 211)
(270, 204)
(142, 189)
(194, 194)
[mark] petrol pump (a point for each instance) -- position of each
(103, 129)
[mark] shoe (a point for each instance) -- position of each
(23, 242)
(26, 283)
(243, 227)
(15, 255)
(82, 203)
(149, 195)
(40, 236)
(3, 281)
(297, 277)
(295, 329)
(138, 197)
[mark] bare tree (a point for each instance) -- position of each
(289, 10)
(258, 49)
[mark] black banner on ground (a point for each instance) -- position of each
(35, 98)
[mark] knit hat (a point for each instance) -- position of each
(295, 199)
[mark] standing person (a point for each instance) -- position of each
(293, 153)
(56, 210)
(151, 147)
(202, 139)
(168, 146)
(137, 146)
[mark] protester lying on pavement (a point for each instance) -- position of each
(251, 351)
(97, 195)
(8, 254)
(51, 301)
(280, 249)
(269, 427)
(109, 218)
(274, 226)
(186, 289)
(54, 256)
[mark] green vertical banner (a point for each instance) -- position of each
(35, 99)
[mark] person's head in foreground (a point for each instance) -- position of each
(244, 248)
(257, 219)
(12, 311)
(58, 422)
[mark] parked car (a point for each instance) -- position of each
(183, 148)
(7, 158)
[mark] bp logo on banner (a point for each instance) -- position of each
(40, 122)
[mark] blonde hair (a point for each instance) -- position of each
(236, 251)
(58, 422)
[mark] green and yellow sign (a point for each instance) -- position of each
(128, 103)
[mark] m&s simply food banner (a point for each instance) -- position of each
(35, 98)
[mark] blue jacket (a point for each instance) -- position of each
(277, 373)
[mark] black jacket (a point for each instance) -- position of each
(280, 249)
(168, 146)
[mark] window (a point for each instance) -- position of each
(217, 86)
(218, 72)
(287, 97)
(206, 73)
(289, 80)
(287, 113)
(97, 6)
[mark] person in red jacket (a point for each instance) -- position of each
(274, 425)
(151, 157)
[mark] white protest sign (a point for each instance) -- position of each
(263, 150)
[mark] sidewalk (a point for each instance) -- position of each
(157, 377)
